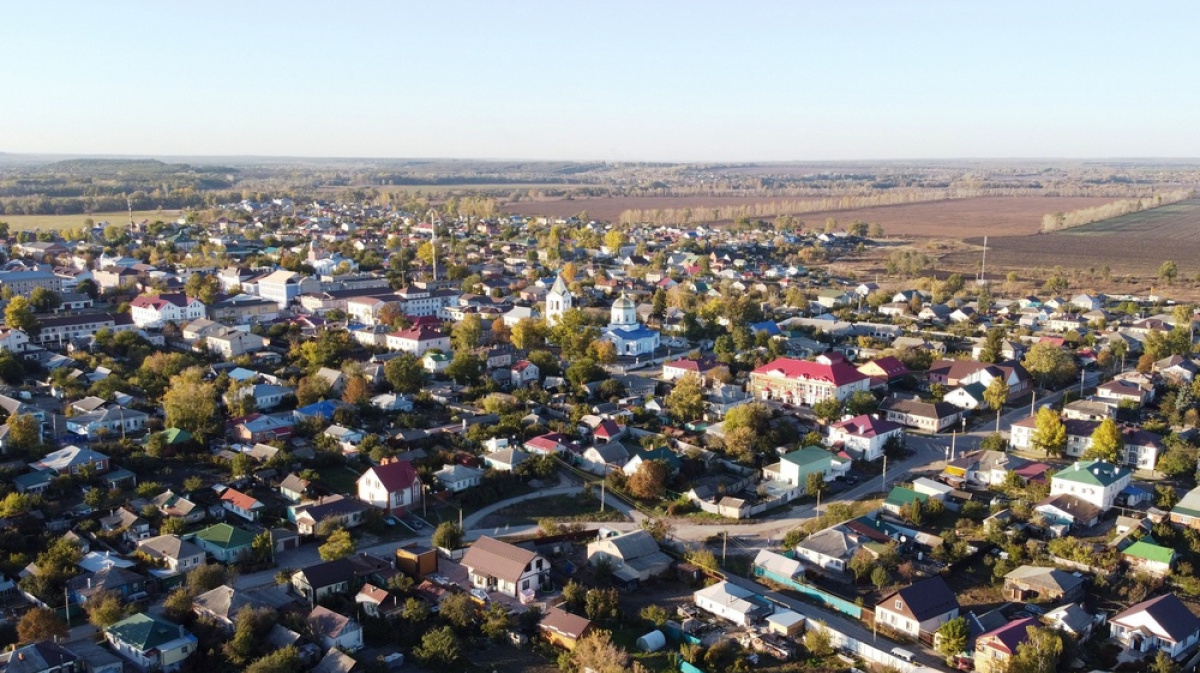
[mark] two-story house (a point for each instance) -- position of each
(246, 506)
(393, 486)
(918, 608)
(864, 435)
(1093, 481)
(493, 565)
(154, 311)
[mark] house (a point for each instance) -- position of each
(122, 519)
(864, 436)
(329, 510)
(109, 578)
(1187, 511)
(226, 543)
(830, 549)
(151, 642)
(392, 486)
(43, 657)
(924, 416)
(702, 367)
(493, 565)
(336, 661)
(114, 420)
(257, 428)
(180, 555)
(222, 604)
(804, 382)
(954, 373)
(563, 629)
(918, 608)
(341, 576)
(901, 497)
(335, 631)
(1096, 482)
(1047, 584)
(418, 340)
(1146, 556)
(175, 506)
(456, 478)
(793, 468)
(71, 460)
(281, 287)
(505, 460)
(1163, 623)
(378, 602)
(154, 311)
(524, 372)
(605, 458)
(996, 648)
(633, 557)
(1125, 390)
(548, 444)
(662, 453)
(241, 504)
(733, 603)
(294, 488)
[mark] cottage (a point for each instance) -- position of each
(1162, 623)
(1096, 482)
(1047, 584)
(151, 642)
(996, 648)
(918, 608)
(563, 629)
(334, 630)
(493, 565)
(633, 557)
(864, 436)
(226, 543)
(733, 603)
(393, 486)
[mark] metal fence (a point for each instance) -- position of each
(827, 599)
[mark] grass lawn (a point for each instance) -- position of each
(560, 507)
(21, 222)
(340, 479)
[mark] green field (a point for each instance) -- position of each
(22, 222)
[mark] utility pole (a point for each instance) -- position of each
(724, 548)
(602, 485)
(1082, 374)
(953, 441)
(884, 484)
(1033, 404)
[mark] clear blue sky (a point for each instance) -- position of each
(644, 80)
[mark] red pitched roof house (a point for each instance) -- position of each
(807, 382)
(864, 435)
(245, 506)
(393, 486)
(156, 310)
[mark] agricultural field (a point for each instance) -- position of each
(956, 218)
(1137, 244)
(22, 222)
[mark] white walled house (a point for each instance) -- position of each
(1162, 623)
(1093, 481)
(864, 435)
(493, 565)
(732, 603)
(918, 608)
(154, 311)
(418, 340)
(393, 486)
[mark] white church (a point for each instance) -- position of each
(558, 301)
(625, 332)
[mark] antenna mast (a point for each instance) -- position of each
(983, 264)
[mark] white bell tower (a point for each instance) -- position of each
(558, 301)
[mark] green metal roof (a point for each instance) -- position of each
(808, 455)
(225, 536)
(145, 631)
(900, 496)
(1150, 552)
(1093, 472)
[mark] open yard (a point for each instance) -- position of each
(340, 479)
(1137, 243)
(21, 222)
(561, 507)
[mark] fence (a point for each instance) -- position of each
(864, 650)
(827, 599)
(685, 667)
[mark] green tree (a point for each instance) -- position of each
(1049, 434)
(817, 642)
(880, 577)
(685, 402)
(338, 545)
(44, 299)
(496, 621)
(405, 373)
(1168, 272)
(1163, 663)
(178, 604)
(1050, 364)
(19, 315)
(466, 369)
(206, 578)
(458, 610)
(24, 432)
(996, 395)
(106, 608)
(814, 483)
(1179, 459)
(529, 334)
(1108, 443)
(448, 536)
(467, 333)
(1039, 654)
(574, 335)
(861, 402)
(263, 547)
(993, 345)
(828, 409)
(953, 636)
(649, 482)
(284, 660)
(597, 652)
(602, 604)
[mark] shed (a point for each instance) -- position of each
(786, 623)
(416, 561)
(652, 642)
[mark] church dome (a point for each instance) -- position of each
(624, 303)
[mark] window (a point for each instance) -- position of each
(899, 605)
(525, 584)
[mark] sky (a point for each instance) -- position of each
(609, 80)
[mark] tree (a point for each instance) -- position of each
(993, 345)
(650, 480)
(1108, 443)
(880, 577)
(283, 660)
(861, 402)
(357, 390)
(1165, 496)
(178, 604)
(448, 535)
(405, 373)
(1050, 363)
(105, 608)
(338, 545)
(204, 287)
(685, 402)
(1168, 272)
(466, 368)
(953, 636)
(24, 432)
(44, 299)
(828, 409)
(19, 315)
(496, 621)
(262, 549)
(312, 389)
(1039, 654)
(529, 333)
(996, 395)
(1179, 459)
(573, 334)
(1163, 663)
(656, 614)
(467, 333)
(817, 642)
(740, 443)
(41, 624)
(585, 371)
(597, 652)
(458, 610)
(574, 594)
(603, 351)
(602, 604)
(206, 578)
(1049, 433)
(814, 483)
(190, 403)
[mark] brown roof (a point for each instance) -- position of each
(924, 600)
(561, 621)
(493, 558)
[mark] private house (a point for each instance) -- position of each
(241, 504)
(222, 604)
(505, 460)
(341, 576)
(1163, 623)
(178, 507)
(71, 460)
(830, 549)
(900, 497)
(154, 311)
(864, 436)
(1048, 584)
(43, 657)
(493, 565)
(955, 373)
(918, 608)
(1148, 557)
(563, 629)
(151, 642)
(604, 458)
(456, 478)
(346, 512)
(378, 602)
(335, 631)
(113, 421)
(392, 486)
(1068, 510)
(733, 603)
(180, 555)
(996, 648)
(548, 444)
(793, 468)
(701, 367)
(923, 416)
(226, 543)
(417, 340)
(294, 488)
(122, 519)
(1125, 390)
(1187, 511)
(1096, 482)
(523, 373)
(634, 557)
(807, 382)
(114, 579)
(885, 369)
